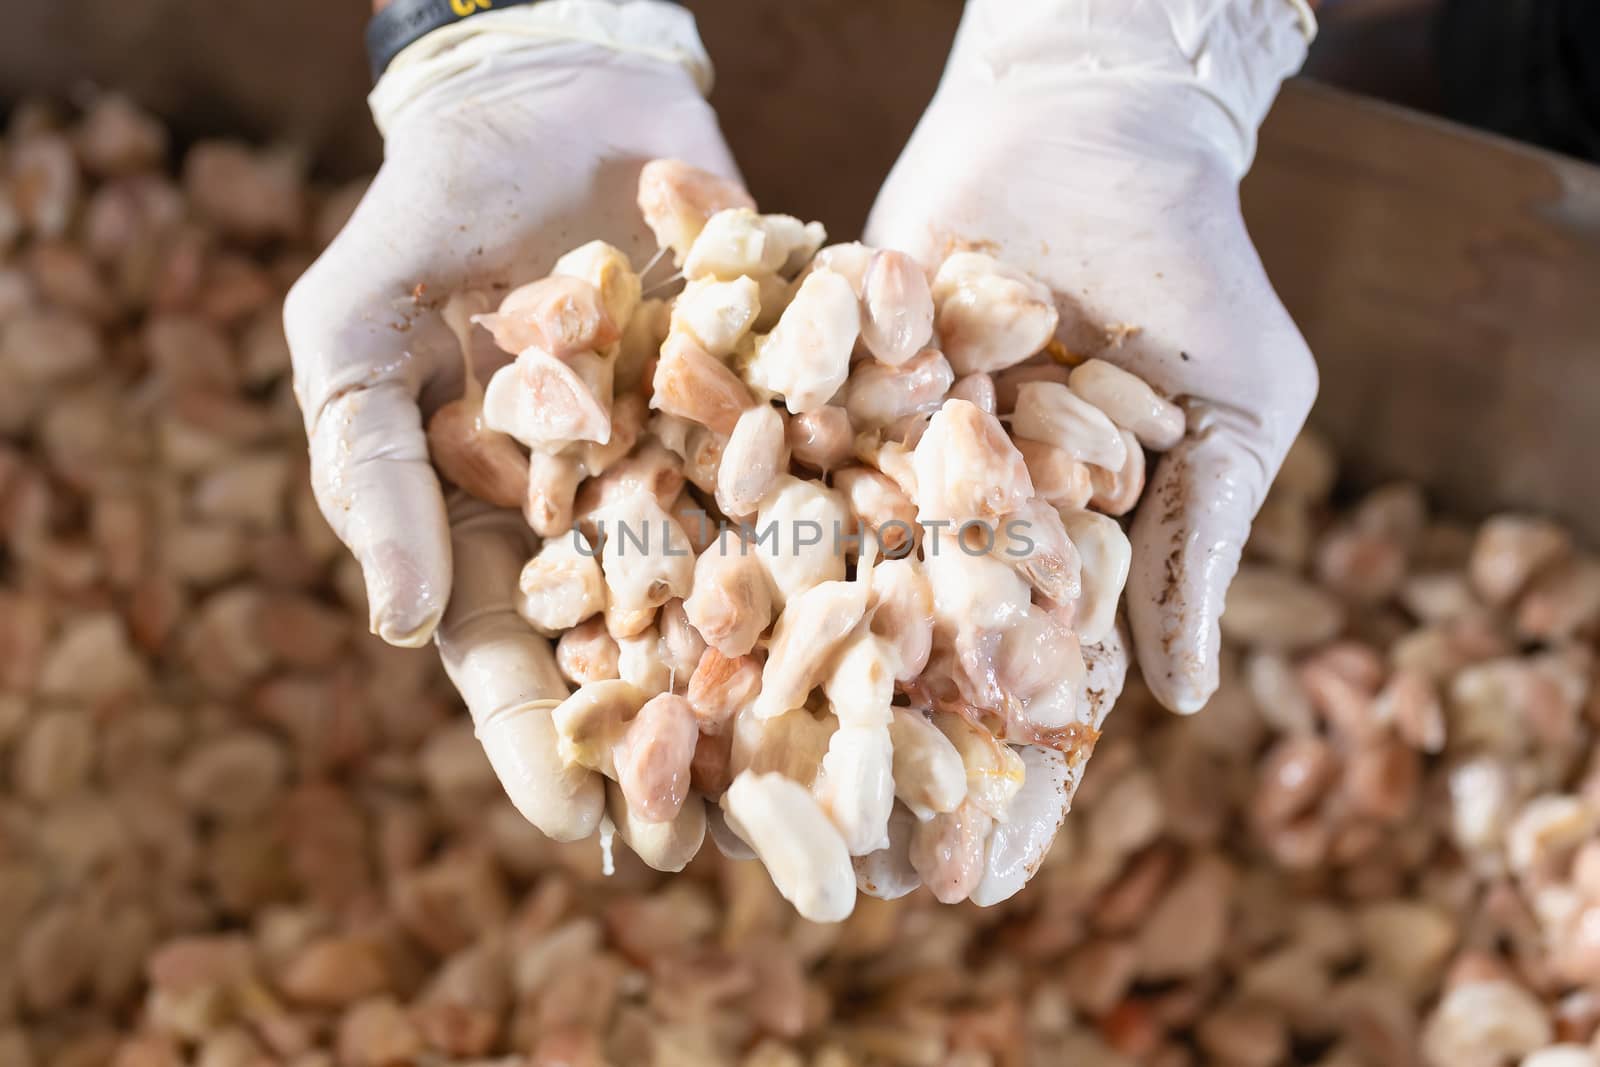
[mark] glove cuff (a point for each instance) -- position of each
(1234, 53)
(655, 29)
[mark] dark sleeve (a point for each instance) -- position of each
(1528, 69)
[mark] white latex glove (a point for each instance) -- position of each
(1098, 144)
(510, 138)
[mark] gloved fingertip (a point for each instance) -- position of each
(405, 602)
(403, 628)
(564, 802)
(1190, 695)
(663, 846)
(1177, 649)
(727, 840)
(887, 874)
(1185, 554)
(1017, 847)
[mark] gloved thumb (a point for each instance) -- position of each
(372, 478)
(1188, 534)
(363, 351)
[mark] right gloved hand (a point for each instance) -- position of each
(1098, 145)
(510, 137)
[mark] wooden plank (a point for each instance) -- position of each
(1449, 284)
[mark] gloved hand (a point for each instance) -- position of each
(509, 138)
(1098, 145)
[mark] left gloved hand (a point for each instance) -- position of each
(509, 138)
(1098, 145)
